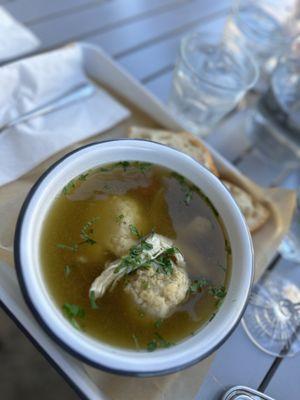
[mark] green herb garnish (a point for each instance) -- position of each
(197, 285)
(145, 245)
(93, 300)
(164, 262)
(103, 169)
(124, 164)
(158, 342)
(188, 189)
(218, 292)
(135, 260)
(185, 186)
(85, 233)
(142, 166)
(70, 186)
(73, 311)
(134, 231)
(120, 218)
(152, 345)
(83, 177)
(73, 247)
(87, 230)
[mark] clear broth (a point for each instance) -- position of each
(168, 204)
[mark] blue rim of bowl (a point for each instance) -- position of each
(47, 328)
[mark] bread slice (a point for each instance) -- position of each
(183, 141)
(255, 213)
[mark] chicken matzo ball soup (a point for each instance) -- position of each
(135, 255)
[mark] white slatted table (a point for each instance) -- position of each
(143, 36)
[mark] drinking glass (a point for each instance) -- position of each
(274, 126)
(272, 318)
(285, 90)
(210, 78)
(261, 27)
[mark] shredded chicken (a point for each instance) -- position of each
(168, 290)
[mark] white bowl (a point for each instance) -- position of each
(92, 351)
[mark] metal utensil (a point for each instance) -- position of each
(73, 95)
(244, 393)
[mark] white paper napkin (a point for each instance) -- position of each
(15, 38)
(34, 81)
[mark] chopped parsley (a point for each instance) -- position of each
(133, 261)
(185, 186)
(120, 219)
(73, 311)
(83, 177)
(93, 300)
(127, 166)
(164, 263)
(124, 164)
(73, 247)
(158, 343)
(145, 245)
(152, 345)
(70, 186)
(134, 231)
(142, 166)
(85, 233)
(197, 285)
(218, 292)
(87, 230)
(103, 169)
(189, 189)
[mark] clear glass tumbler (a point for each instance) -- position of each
(261, 27)
(210, 78)
(285, 89)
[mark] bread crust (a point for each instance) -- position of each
(183, 141)
(255, 213)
